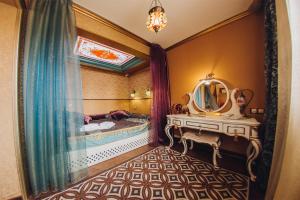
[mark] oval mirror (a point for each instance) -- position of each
(211, 95)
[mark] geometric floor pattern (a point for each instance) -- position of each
(161, 174)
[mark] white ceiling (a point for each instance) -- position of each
(185, 17)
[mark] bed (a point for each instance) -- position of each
(127, 134)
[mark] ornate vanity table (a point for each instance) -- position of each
(231, 123)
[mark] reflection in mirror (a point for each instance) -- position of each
(210, 96)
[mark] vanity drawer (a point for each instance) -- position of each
(204, 125)
(233, 129)
(178, 122)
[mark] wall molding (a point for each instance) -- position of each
(108, 23)
(214, 27)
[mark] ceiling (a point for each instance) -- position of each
(185, 17)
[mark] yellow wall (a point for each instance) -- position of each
(234, 53)
(140, 82)
(91, 107)
(111, 91)
(99, 84)
(9, 181)
(142, 106)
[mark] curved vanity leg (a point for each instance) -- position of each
(253, 152)
(215, 153)
(167, 130)
(192, 145)
(184, 146)
(218, 152)
(249, 150)
(180, 131)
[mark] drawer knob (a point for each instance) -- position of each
(200, 129)
(235, 135)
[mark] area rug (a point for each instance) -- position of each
(161, 174)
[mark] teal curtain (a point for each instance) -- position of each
(210, 100)
(198, 98)
(52, 96)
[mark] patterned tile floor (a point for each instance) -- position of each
(161, 174)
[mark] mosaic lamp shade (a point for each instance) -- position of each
(157, 19)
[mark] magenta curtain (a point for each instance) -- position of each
(161, 94)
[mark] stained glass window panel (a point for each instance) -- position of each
(97, 51)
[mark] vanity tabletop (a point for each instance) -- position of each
(214, 118)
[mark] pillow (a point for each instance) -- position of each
(118, 114)
(99, 116)
(87, 119)
(140, 116)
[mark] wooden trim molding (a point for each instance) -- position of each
(108, 23)
(214, 27)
